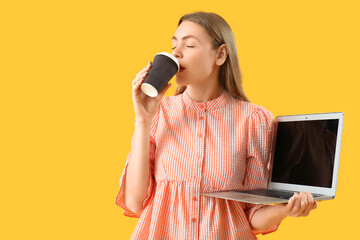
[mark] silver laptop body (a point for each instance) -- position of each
(304, 158)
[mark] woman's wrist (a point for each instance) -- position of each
(280, 209)
(268, 216)
(142, 121)
(143, 127)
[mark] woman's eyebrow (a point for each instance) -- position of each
(188, 36)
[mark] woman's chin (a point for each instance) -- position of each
(180, 82)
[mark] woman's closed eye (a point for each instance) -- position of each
(185, 46)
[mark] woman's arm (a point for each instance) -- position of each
(137, 177)
(299, 205)
(138, 172)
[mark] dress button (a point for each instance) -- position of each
(195, 198)
(194, 219)
(200, 135)
(201, 118)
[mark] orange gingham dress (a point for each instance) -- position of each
(221, 144)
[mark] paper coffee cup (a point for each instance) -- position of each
(163, 68)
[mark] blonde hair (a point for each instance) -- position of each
(230, 78)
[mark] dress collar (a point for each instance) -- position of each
(208, 105)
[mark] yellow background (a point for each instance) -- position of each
(67, 116)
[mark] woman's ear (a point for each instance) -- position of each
(221, 55)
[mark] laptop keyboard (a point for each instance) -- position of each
(274, 193)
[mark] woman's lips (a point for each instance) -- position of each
(181, 68)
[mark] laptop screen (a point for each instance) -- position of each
(304, 152)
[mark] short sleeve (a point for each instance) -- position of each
(120, 198)
(258, 147)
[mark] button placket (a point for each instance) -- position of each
(195, 209)
(200, 144)
(201, 151)
(201, 135)
(201, 140)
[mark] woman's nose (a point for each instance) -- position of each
(176, 53)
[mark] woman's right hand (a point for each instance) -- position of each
(145, 106)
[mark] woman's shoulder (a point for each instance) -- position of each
(171, 99)
(170, 102)
(249, 108)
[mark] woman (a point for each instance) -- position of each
(208, 137)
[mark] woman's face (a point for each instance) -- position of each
(192, 46)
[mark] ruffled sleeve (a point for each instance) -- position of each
(258, 147)
(120, 198)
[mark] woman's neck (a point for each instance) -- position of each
(202, 93)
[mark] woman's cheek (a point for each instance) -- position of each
(200, 65)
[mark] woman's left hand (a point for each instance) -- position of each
(299, 205)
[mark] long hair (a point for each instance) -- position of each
(220, 32)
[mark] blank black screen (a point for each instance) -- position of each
(305, 152)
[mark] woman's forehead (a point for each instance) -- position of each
(188, 29)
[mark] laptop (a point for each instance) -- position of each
(304, 158)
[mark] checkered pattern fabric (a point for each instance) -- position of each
(221, 144)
